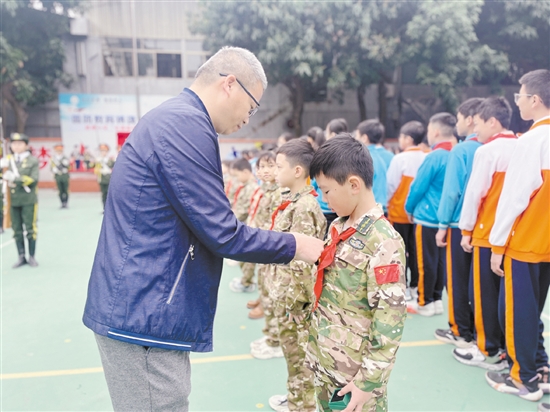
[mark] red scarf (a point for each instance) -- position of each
(505, 135)
(327, 257)
(237, 194)
(254, 204)
(283, 206)
(443, 145)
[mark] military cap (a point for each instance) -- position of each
(16, 137)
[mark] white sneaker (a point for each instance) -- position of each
(258, 342)
(264, 351)
(236, 286)
(279, 403)
(438, 307)
(426, 310)
(414, 293)
(472, 356)
(408, 296)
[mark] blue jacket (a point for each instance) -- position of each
(386, 155)
(379, 185)
(166, 228)
(324, 205)
(423, 199)
(457, 174)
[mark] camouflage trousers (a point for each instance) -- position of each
(326, 381)
(293, 338)
(248, 270)
(270, 329)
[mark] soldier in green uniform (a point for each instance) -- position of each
(22, 182)
(291, 286)
(59, 165)
(103, 169)
(360, 307)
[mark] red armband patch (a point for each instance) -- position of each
(387, 274)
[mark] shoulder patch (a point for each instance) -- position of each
(364, 226)
(387, 274)
(356, 243)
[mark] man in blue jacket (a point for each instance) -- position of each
(168, 225)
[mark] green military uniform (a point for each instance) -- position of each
(103, 170)
(268, 203)
(356, 329)
(243, 197)
(291, 291)
(23, 199)
(59, 165)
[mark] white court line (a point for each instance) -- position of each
(9, 242)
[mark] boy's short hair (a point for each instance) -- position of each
(241, 164)
(445, 121)
(227, 163)
(538, 82)
(415, 130)
(338, 126)
(470, 107)
(287, 136)
(266, 155)
(298, 152)
(341, 157)
(497, 107)
(373, 129)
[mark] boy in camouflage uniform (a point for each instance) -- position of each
(360, 305)
(59, 165)
(22, 182)
(103, 170)
(291, 286)
(260, 216)
(243, 197)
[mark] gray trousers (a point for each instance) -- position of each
(141, 378)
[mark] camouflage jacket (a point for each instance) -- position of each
(230, 187)
(243, 199)
(268, 203)
(356, 329)
(292, 284)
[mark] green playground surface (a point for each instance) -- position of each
(49, 360)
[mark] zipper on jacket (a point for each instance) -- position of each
(190, 253)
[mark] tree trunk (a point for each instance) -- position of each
(382, 103)
(361, 102)
(399, 94)
(297, 98)
(21, 114)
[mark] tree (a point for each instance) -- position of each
(32, 54)
(282, 34)
(447, 50)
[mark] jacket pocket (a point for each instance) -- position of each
(352, 264)
(190, 254)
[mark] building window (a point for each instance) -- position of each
(155, 57)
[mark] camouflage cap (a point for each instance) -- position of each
(16, 137)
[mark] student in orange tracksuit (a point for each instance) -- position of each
(520, 241)
(401, 173)
(476, 221)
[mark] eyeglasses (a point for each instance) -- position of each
(518, 95)
(253, 111)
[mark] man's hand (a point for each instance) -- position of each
(358, 397)
(4, 162)
(466, 244)
(308, 248)
(441, 237)
(298, 318)
(496, 263)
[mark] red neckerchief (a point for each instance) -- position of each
(254, 204)
(228, 188)
(443, 145)
(503, 135)
(327, 257)
(283, 206)
(237, 193)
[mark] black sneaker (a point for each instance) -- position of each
(544, 407)
(504, 383)
(447, 336)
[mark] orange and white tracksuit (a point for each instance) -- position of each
(521, 232)
(476, 220)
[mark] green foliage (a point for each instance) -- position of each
(447, 50)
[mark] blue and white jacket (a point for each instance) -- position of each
(381, 164)
(423, 199)
(457, 175)
(166, 228)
